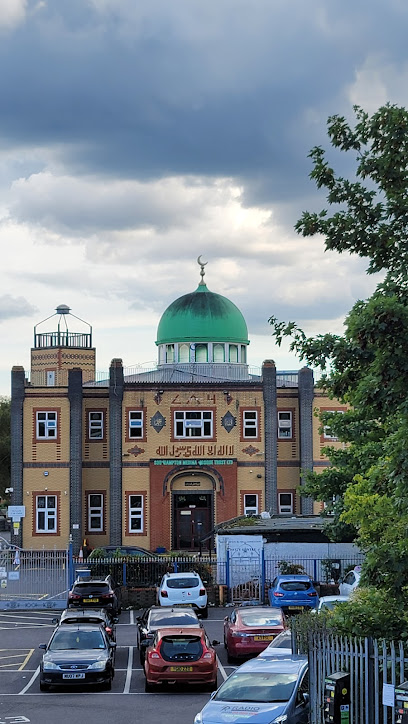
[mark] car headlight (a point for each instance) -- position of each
(280, 719)
(49, 666)
(98, 665)
(198, 718)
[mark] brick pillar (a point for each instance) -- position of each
(75, 457)
(271, 437)
(116, 384)
(306, 396)
(16, 431)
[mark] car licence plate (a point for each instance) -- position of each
(295, 608)
(78, 675)
(263, 638)
(181, 668)
(91, 600)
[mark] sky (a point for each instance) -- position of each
(136, 136)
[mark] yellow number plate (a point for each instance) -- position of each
(181, 668)
(263, 638)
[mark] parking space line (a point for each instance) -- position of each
(30, 653)
(129, 671)
(222, 670)
(27, 686)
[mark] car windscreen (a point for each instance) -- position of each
(79, 639)
(252, 618)
(181, 648)
(295, 585)
(158, 619)
(84, 619)
(283, 641)
(257, 686)
(94, 589)
(183, 582)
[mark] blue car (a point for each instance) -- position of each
(293, 593)
(262, 691)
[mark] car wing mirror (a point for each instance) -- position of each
(215, 642)
(306, 698)
(54, 620)
(115, 619)
(226, 618)
(212, 695)
(42, 646)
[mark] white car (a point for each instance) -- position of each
(327, 603)
(350, 582)
(183, 588)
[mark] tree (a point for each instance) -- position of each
(366, 367)
(5, 458)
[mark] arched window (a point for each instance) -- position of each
(233, 353)
(243, 354)
(184, 353)
(162, 353)
(170, 353)
(218, 353)
(201, 353)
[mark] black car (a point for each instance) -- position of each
(158, 617)
(123, 552)
(82, 655)
(79, 616)
(96, 593)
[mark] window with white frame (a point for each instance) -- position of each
(95, 429)
(219, 352)
(184, 353)
(201, 353)
(284, 424)
(46, 514)
(46, 426)
(95, 512)
(285, 502)
(193, 423)
(250, 423)
(170, 353)
(327, 433)
(233, 353)
(250, 504)
(135, 423)
(136, 513)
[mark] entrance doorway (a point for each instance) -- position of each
(192, 519)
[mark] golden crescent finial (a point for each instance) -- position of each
(202, 272)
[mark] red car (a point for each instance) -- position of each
(249, 630)
(181, 656)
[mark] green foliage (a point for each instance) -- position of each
(287, 568)
(366, 487)
(371, 612)
(5, 455)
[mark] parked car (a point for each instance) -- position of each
(248, 630)
(182, 656)
(186, 588)
(262, 691)
(94, 592)
(280, 646)
(78, 616)
(116, 551)
(293, 593)
(350, 582)
(158, 617)
(81, 655)
(328, 603)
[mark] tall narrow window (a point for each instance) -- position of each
(219, 353)
(95, 431)
(46, 425)
(136, 514)
(285, 503)
(250, 504)
(95, 512)
(201, 353)
(284, 425)
(184, 353)
(327, 432)
(135, 423)
(170, 353)
(243, 354)
(233, 353)
(250, 423)
(46, 514)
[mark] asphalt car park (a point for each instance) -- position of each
(22, 633)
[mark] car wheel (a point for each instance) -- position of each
(204, 612)
(148, 687)
(225, 642)
(230, 659)
(44, 687)
(212, 686)
(107, 686)
(141, 657)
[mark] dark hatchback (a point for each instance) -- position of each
(100, 617)
(158, 617)
(84, 655)
(88, 592)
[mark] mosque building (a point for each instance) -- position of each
(158, 458)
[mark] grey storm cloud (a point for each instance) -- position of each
(145, 90)
(13, 307)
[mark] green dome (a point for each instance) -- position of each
(202, 316)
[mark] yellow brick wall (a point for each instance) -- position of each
(56, 482)
(39, 450)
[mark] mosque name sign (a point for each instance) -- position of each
(199, 463)
(195, 451)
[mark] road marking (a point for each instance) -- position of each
(27, 686)
(222, 670)
(132, 617)
(129, 671)
(30, 653)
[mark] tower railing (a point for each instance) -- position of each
(63, 339)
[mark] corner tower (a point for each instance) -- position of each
(205, 331)
(61, 349)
